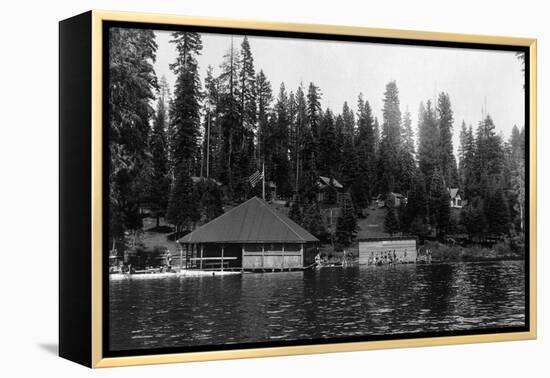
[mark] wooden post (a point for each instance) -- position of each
(181, 257)
(186, 256)
(302, 253)
(242, 258)
(202, 252)
(263, 252)
(283, 261)
(222, 256)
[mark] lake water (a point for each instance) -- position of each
(332, 302)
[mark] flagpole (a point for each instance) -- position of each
(263, 181)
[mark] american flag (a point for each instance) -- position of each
(255, 178)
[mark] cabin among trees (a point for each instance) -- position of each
(456, 198)
(330, 191)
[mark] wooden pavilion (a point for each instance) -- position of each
(252, 236)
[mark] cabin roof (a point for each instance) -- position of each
(388, 238)
(453, 192)
(326, 181)
(253, 221)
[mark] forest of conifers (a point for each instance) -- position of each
(228, 125)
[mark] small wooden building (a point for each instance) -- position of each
(398, 249)
(455, 198)
(330, 191)
(252, 236)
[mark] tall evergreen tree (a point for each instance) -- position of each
(328, 153)
(488, 165)
(212, 141)
(497, 213)
(390, 144)
(304, 142)
(413, 219)
(247, 98)
(264, 99)
(346, 225)
(131, 90)
(349, 121)
(428, 140)
(466, 160)
(276, 151)
(210, 199)
(391, 224)
(183, 211)
(407, 134)
(160, 185)
(407, 162)
(314, 115)
(447, 157)
(313, 221)
(366, 153)
(185, 106)
(230, 123)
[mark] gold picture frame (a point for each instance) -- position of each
(94, 22)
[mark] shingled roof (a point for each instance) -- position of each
(253, 221)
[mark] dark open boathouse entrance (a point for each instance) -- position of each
(252, 236)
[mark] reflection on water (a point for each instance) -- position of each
(184, 311)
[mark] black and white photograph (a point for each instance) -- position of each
(272, 189)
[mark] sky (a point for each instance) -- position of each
(474, 79)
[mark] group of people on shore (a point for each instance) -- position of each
(386, 257)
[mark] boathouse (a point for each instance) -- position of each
(401, 249)
(252, 236)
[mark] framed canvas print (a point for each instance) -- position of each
(235, 189)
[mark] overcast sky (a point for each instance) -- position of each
(343, 69)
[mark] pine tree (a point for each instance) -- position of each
(366, 153)
(277, 149)
(488, 164)
(210, 199)
(313, 221)
(303, 140)
(447, 157)
(264, 99)
(391, 224)
(415, 210)
(160, 185)
(185, 106)
(230, 124)
(346, 225)
(407, 134)
(473, 219)
(407, 163)
(293, 139)
(466, 160)
(497, 213)
(428, 140)
(212, 141)
(314, 115)
(132, 86)
(182, 207)
(390, 174)
(349, 122)
(328, 154)
(247, 97)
